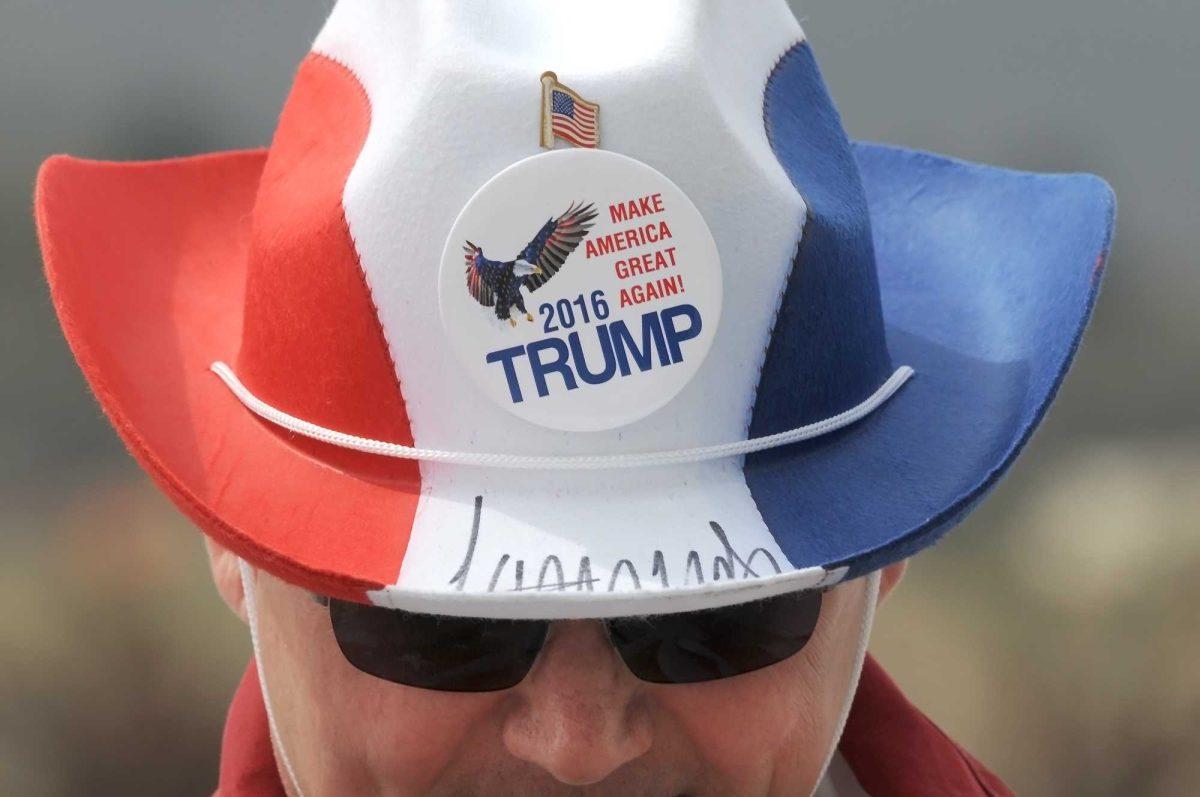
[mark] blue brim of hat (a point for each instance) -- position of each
(987, 278)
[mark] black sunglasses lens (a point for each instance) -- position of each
(449, 654)
(716, 643)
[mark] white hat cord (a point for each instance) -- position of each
(252, 620)
(585, 462)
(866, 623)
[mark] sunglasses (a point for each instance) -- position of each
(455, 654)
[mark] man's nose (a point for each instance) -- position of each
(580, 714)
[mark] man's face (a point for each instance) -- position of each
(579, 723)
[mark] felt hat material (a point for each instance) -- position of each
(311, 269)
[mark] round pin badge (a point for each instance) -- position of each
(580, 289)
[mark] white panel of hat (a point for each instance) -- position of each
(455, 98)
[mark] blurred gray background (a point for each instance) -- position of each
(1054, 634)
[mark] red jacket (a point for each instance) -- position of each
(891, 747)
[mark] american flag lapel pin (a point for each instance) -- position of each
(567, 115)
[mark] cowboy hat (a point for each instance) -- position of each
(756, 357)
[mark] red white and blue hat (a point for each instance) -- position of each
(616, 321)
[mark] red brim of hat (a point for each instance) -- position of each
(147, 267)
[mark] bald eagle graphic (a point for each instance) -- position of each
(498, 283)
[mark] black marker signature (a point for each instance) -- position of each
(552, 577)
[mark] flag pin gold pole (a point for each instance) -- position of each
(549, 81)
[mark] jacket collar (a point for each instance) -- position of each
(892, 748)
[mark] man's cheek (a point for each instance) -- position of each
(747, 727)
(407, 735)
(363, 730)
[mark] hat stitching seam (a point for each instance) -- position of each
(366, 280)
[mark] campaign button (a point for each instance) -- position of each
(580, 289)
